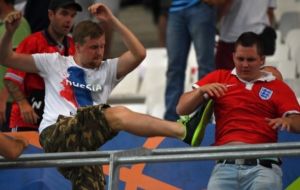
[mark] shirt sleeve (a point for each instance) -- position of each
(286, 101)
(47, 63)
(112, 70)
(15, 76)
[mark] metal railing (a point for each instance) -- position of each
(117, 158)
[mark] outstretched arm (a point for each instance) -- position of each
(9, 58)
(12, 147)
(136, 51)
(289, 123)
(190, 101)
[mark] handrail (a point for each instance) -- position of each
(156, 155)
(141, 155)
(164, 151)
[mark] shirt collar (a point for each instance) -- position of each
(266, 77)
(62, 47)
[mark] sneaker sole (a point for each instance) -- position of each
(205, 118)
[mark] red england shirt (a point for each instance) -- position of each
(240, 114)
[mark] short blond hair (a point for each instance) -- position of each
(85, 29)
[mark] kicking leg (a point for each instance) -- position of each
(120, 118)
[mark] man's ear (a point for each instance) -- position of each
(50, 14)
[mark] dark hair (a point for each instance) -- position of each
(85, 29)
(248, 39)
(12, 2)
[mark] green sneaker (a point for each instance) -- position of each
(196, 125)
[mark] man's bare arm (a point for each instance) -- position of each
(136, 52)
(190, 101)
(14, 90)
(27, 112)
(3, 100)
(295, 123)
(12, 147)
(9, 58)
(290, 123)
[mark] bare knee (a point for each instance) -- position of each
(116, 117)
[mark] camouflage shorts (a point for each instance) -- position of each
(86, 131)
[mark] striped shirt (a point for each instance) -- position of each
(178, 5)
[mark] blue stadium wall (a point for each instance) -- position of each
(190, 175)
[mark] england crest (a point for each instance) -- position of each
(265, 94)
